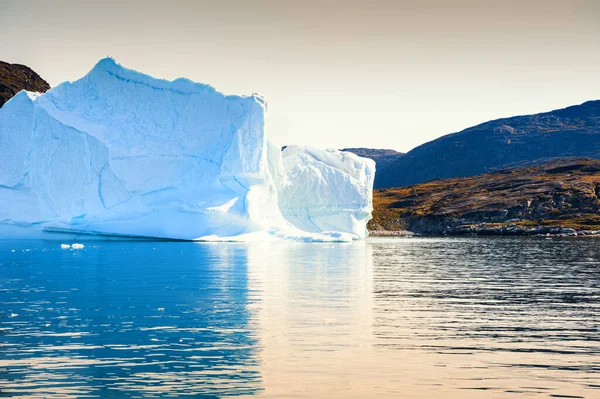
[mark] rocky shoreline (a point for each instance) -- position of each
(483, 230)
(515, 230)
(391, 233)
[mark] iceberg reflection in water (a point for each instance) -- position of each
(416, 318)
(119, 319)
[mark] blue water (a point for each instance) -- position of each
(468, 317)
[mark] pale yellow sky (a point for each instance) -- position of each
(384, 74)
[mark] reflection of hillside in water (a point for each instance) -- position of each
(126, 319)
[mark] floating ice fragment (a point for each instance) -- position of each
(77, 246)
(65, 246)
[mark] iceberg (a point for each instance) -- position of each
(121, 154)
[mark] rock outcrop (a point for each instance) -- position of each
(15, 77)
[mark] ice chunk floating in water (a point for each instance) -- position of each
(119, 153)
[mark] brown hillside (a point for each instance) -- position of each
(557, 195)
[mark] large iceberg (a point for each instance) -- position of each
(119, 153)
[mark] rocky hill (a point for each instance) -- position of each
(499, 144)
(15, 77)
(381, 157)
(556, 197)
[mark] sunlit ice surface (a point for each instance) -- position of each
(413, 318)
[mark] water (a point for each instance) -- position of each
(385, 318)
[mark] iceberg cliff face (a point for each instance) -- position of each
(121, 153)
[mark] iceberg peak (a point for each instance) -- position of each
(107, 63)
(120, 153)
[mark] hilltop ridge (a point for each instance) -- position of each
(508, 142)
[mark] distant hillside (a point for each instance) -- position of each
(381, 157)
(569, 132)
(547, 198)
(15, 77)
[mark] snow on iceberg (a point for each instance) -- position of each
(119, 153)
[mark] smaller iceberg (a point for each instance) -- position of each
(121, 154)
(325, 190)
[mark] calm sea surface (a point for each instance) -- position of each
(382, 318)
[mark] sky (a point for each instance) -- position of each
(379, 74)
